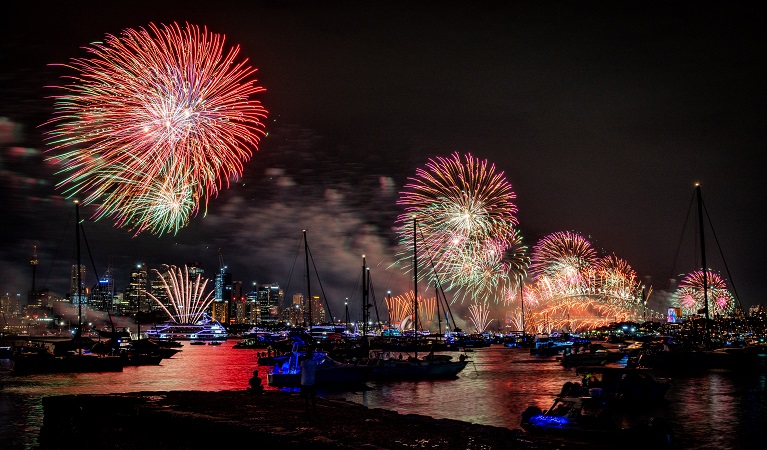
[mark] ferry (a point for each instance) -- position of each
(205, 330)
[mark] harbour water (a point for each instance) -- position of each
(711, 410)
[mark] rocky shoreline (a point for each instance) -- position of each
(193, 420)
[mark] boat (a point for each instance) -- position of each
(516, 339)
(141, 352)
(267, 360)
(44, 363)
(206, 329)
(214, 343)
(168, 349)
(71, 356)
(134, 352)
(595, 354)
(62, 357)
(596, 419)
(695, 353)
(169, 343)
(386, 367)
(262, 339)
(547, 345)
(198, 342)
(633, 384)
(471, 340)
(286, 372)
(753, 357)
(750, 358)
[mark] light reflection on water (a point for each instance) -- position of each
(203, 368)
(493, 389)
(713, 411)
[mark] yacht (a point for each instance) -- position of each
(205, 330)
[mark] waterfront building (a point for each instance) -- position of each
(235, 297)
(73, 288)
(102, 292)
(219, 311)
(317, 311)
(252, 313)
(135, 294)
(157, 289)
(118, 303)
(241, 311)
(223, 291)
(294, 313)
(10, 305)
(269, 297)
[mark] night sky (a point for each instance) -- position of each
(602, 115)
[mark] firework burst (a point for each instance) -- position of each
(690, 296)
(574, 289)
(154, 124)
(562, 254)
(466, 219)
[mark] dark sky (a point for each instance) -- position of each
(602, 115)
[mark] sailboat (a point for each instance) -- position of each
(73, 358)
(700, 355)
(286, 371)
(387, 367)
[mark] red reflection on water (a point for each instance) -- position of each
(196, 367)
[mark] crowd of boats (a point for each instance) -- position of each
(616, 381)
(111, 352)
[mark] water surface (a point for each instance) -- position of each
(713, 410)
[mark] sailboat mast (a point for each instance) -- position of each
(365, 311)
(415, 286)
(439, 317)
(522, 304)
(79, 277)
(703, 258)
(308, 282)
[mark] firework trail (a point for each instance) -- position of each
(402, 311)
(154, 124)
(478, 314)
(466, 219)
(186, 296)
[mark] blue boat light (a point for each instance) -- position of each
(549, 421)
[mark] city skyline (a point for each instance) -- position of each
(603, 117)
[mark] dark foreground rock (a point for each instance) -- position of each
(193, 420)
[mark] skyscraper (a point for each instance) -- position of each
(74, 289)
(157, 288)
(135, 294)
(269, 299)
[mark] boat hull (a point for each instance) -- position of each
(594, 420)
(331, 376)
(287, 371)
(592, 358)
(211, 331)
(416, 370)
